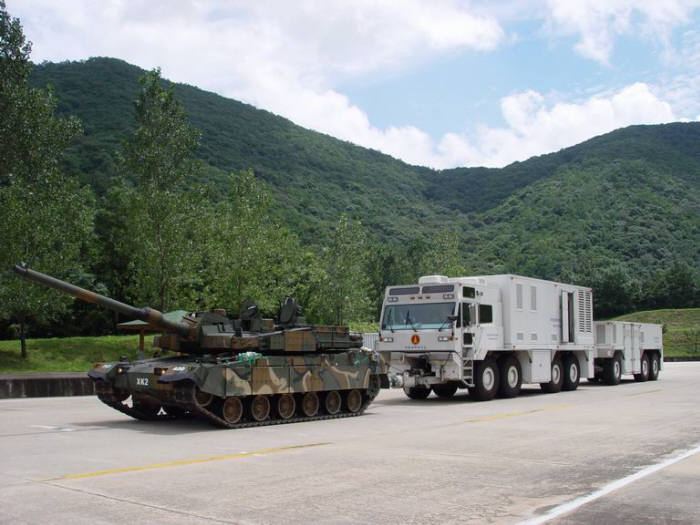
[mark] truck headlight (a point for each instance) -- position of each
(386, 339)
(443, 338)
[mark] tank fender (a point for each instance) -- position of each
(97, 374)
(181, 376)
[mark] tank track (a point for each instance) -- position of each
(194, 409)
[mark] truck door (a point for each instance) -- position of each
(632, 349)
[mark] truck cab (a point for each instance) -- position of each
(427, 331)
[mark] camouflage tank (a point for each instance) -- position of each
(234, 373)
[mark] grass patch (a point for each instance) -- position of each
(681, 329)
(68, 354)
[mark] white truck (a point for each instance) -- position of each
(494, 333)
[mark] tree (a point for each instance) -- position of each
(343, 291)
(33, 138)
(252, 255)
(443, 255)
(45, 217)
(163, 228)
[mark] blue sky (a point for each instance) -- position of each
(441, 83)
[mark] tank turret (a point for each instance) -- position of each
(213, 332)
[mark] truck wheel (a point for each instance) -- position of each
(557, 381)
(612, 370)
(654, 367)
(446, 390)
(511, 377)
(485, 380)
(572, 373)
(417, 392)
(643, 375)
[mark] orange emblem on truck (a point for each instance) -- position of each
(415, 339)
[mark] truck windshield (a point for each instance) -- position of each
(416, 316)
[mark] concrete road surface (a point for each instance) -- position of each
(587, 456)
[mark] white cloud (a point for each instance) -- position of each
(598, 22)
(281, 56)
(535, 128)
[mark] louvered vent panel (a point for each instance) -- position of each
(589, 313)
(581, 310)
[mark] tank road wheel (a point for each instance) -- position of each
(232, 410)
(446, 390)
(485, 380)
(332, 402)
(417, 392)
(286, 406)
(557, 381)
(310, 404)
(572, 373)
(203, 399)
(511, 377)
(654, 367)
(260, 408)
(644, 374)
(612, 371)
(353, 401)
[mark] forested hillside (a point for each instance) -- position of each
(312, 176)
(619, 212)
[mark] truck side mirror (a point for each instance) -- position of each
(452, 318)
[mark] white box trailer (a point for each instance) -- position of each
(628, 348)
(490, 334)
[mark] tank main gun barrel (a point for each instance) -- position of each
(146, 314)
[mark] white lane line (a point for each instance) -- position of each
(565, 508)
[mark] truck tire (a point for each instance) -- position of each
(557, 381)
(511, 376)
(485, 380)
(643, 375)
(612, 370)
(417, 392)
(446, 390)
(654, 367)
(572, 373)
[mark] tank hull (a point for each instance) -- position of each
(233, 391)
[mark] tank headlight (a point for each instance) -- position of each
(121, 370)
(386, 339)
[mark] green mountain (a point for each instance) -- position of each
(314, 177)
(630, 198)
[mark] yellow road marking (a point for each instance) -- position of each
(645, 392)
(505, 415)
(182, 462)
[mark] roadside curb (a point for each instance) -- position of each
(680, 359)
(46, 385)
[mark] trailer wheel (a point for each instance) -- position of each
(511, 377)
(417, 392)
(612, 370)
(572, 373)
(557, 381)
(445, 391)
(643, 375)
(485, 380)
(654, 367)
